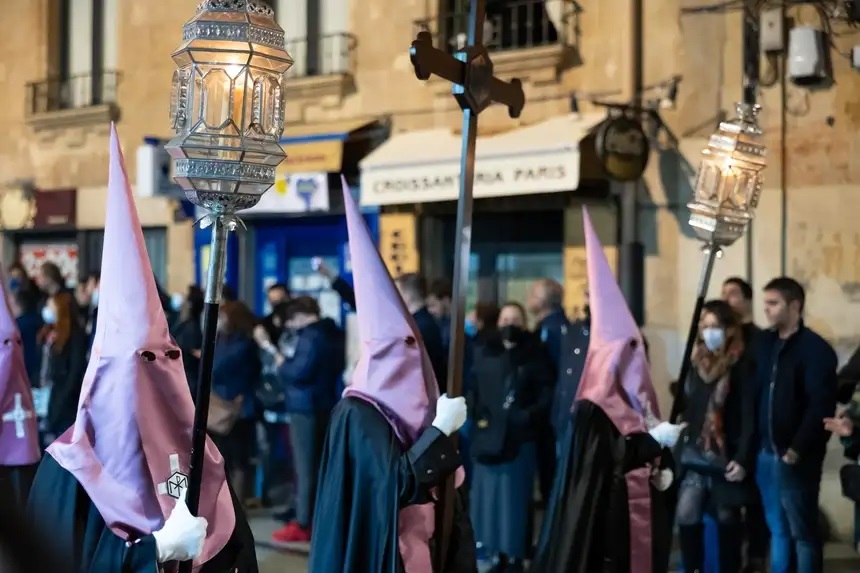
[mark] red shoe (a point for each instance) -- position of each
(292, 533)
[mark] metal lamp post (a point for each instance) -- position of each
(227, 110)
(726, 195)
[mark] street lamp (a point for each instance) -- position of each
(227, 110)
(725, 197)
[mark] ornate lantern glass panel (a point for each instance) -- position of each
(227, 104)
(729, 180)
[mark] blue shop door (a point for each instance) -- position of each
(284, 254)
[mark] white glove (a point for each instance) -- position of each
(667, 434)
(450, 414)
(662, 479)
(182, 536)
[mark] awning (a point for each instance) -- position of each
(424, 166)
(317, 148)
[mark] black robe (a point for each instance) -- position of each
(15, 482)
(64, 513)
(365, 480)
(587, 526)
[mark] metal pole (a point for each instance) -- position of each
(460, 288)
(711, 252)
(214, 287)
(751, 69)
(631, 267)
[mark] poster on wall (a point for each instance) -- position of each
(64, 255)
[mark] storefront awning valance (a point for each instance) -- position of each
(424, 166)
(317, 148)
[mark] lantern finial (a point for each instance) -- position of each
(729, 181)
(227, 104)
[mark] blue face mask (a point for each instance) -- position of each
(14, 284)
(94, 298)
(48, 315)
(470, 328)
(176, 300)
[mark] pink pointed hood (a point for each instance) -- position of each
(393, 371)
(130, 445)
(617, 379)
(19, 427)
(616, 375)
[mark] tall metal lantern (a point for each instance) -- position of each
(726, 195)
(227, 110)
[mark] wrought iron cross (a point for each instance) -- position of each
(475, 88)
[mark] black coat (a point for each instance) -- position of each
(66, 368)
(739, 423)
(587, 525)
(796, 390)
(366, 477)
(78, 533)
(552, 331)
(511, 388)
(574, 348)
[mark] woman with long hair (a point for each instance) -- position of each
(235, 375)
(716, 449)
(64, 361)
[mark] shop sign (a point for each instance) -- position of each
(494, 177)
(622, 148)
(295, 193)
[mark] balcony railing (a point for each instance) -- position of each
(510, 25)
(321, 55)
(75, 92)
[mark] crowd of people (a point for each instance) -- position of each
(757, 404)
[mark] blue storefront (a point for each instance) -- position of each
(300, 218)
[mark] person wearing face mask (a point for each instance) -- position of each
(717, 447)
(509, 397)
(64, 360)
(480, 327)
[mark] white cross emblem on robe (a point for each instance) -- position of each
(18, 415)
(177, 483)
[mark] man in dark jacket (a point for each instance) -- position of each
(277, 294)
(545, 305)
(439, 305)
(310, 375)
(413, 289)
(574, 347)
(796, 385)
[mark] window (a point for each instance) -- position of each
(510, 24)
(84, 60)
(317, 38)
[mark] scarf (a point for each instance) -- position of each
(716, 368)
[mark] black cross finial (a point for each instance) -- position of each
(470, 70)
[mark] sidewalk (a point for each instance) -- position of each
(839, 556)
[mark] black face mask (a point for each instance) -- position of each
(511, 333)
(587, 310)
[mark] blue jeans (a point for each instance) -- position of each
(790, 497)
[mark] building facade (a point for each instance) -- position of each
(354, 105)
